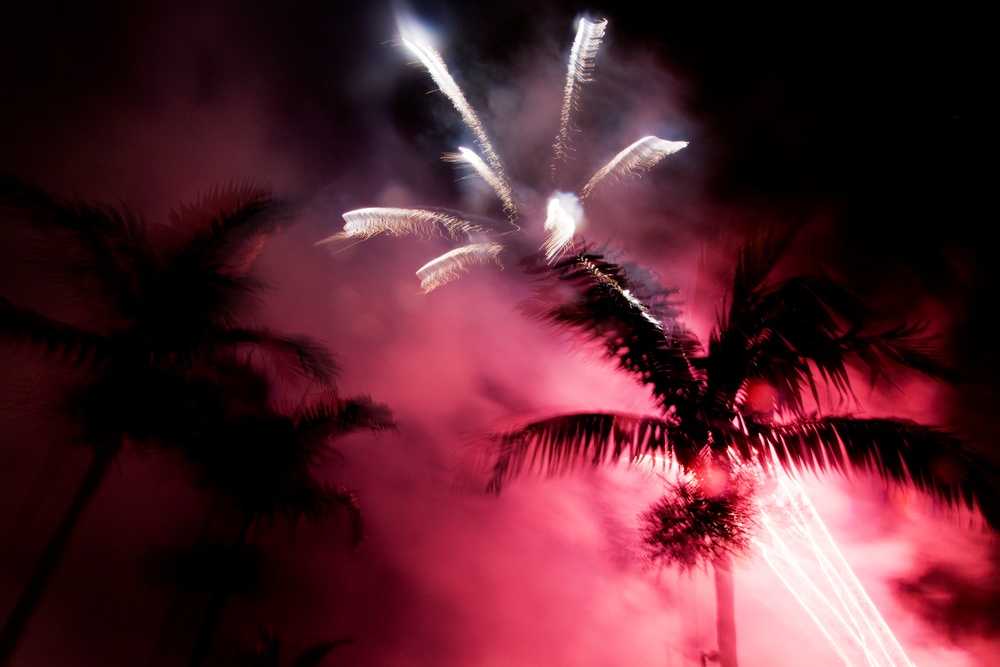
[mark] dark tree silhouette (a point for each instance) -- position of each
(166, 306)
(794, 338)
(260, 464)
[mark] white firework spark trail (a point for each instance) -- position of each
(364, 223)
(564, 211)
(454, 263)
(439, 72)
(797, 546)
(498, 184)
(642, 155)
(581, 64)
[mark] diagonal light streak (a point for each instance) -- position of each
(795, 543)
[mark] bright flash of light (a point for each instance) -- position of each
(642, 155)
(364, 223)
(563, 215)
(581, 64)
(499, 186)
(454, 263)
(439, 72)
(796, 545)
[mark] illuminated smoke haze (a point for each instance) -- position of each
(869, 131)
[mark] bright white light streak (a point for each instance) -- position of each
(562, 216)
(454, 263)
(498, 185)
(439, 72)
(627, 294)
(363, 223)
(581, 63)
(802, 553)
(642, 155)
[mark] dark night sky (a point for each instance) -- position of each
(873, 125)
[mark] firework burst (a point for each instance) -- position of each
(564, 210)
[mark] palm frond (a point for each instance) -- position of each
(295, 354)
(804, 332)
(563, 443)
(905, 345)
(926, 458)
(637, 325)
(55, 337)
(225, 222)
(93, 245)
(330, 416)
(756, 260)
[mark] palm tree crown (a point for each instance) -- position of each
(795, 337)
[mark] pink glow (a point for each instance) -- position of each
(548, 573)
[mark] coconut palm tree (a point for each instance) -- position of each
(164, 306)
(791, 339)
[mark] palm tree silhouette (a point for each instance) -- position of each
(793, 338)
(166, 306)
(260, 464)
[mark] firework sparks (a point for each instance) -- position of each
(364, 223)
(498, 184)
(798, 548)
(454, 263)
(642, 155)
(581, 64)
(564, 211)
(439, 72)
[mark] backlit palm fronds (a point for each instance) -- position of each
(931, 460)
(636, 323)
(567, 442)
(64, 341)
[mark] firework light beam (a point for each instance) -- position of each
(364, 223)
(498, 185)
(643, 155)
(454, 263)
(799, 549)
(447, 84)
(581, 65)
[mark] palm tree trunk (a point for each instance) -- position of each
(13, 629)
(216, 605)
(725, 610)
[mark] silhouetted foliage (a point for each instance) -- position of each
(165, 362)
